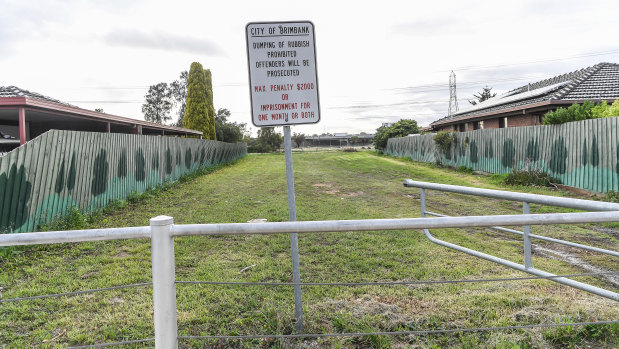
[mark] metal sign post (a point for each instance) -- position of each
(283, 86)
(294, 238)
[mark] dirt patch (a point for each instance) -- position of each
(579, 192)
(414, 306)
(593, 240)
(354, 194)
(87, 275)
(574, 260)
(366, 305)
(323, 185)
(392, 161)
(122, 254)
(614, 232)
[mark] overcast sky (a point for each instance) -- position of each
(378, 61)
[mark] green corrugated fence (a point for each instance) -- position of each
(582, 154)
(47, 176)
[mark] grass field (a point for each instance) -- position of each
(329, 185)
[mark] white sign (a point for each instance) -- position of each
(282, 73)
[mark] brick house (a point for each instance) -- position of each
(526, 105)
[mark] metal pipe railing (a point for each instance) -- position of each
(544, 238)
(527, 267)
(57, 237)
(578, 204)
(307, 227)
(391, 224)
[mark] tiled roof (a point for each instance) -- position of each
(14, 91)
(600, 81)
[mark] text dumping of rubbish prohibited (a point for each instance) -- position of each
(282, 73)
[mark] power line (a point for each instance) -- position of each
(75, 293)
(442, 86)
(481, 67)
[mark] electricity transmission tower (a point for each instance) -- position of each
(453, 99)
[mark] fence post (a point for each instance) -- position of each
(294, 237)
(164, 286)
(422, 198)
(527, 239)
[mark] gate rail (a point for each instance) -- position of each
(526, 200)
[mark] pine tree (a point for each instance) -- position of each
(196, 112)
(212, 134)
(485, 94)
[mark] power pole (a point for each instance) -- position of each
(453, 99)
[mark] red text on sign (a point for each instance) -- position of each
(305, 86)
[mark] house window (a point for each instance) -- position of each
(502, 122)
(462, 127)
(478, 125)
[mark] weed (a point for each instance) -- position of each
(444, 141)
(575, 336)
(612, 196)
(115, 205)
(464, 169)
(531, 177)
(73, 220)
(438, 164)
(133, 197)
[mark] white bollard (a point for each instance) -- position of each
(164, 282)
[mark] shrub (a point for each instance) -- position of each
(612, 196)
(498, 178)
(401, 128)
(443, 141)
(268, 141)
(464, 169)
(259, 148)
(530, 178)
(577, 112)
(75, 219)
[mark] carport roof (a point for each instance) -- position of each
(12, 97)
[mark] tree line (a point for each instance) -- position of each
(192, 95)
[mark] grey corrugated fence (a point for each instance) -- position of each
(582, 154)
(58, 170)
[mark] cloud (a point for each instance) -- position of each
(436, 25)
(23, 21)
(387, 105)
(162, 41)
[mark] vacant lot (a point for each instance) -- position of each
(329, 185)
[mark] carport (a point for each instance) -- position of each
(26, 115)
